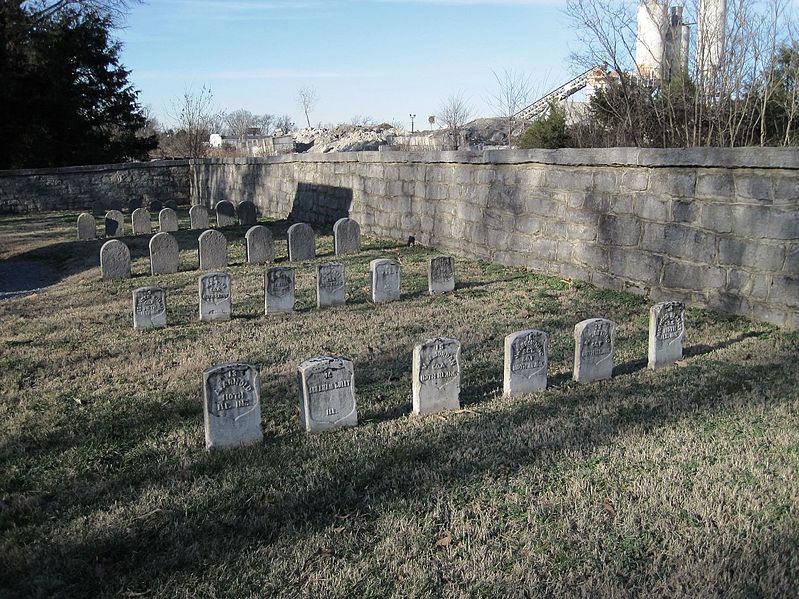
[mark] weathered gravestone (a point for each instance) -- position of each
(114, 223)
(327, 394)
(87, 226)
(167, 221)
(115, 260)
(247, 213)
(346, 236)
(225, 214)
(441, 274)
(260, 247)
(213, 250)
(436, 375)
(593, 350)
(666, 332)
(149, 307)
(155, 206)
(232, 406)
(164, 254)
(215, 296)
(141, 222)
(330, 285)
(133, 205)
(526, 362)
(198, 215)
(279, 290)
(384, 276)
(302, 242)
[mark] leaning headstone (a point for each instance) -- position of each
(301, 242)
(213, 250)
(215, 296)
(167, 221)
(279, 290)
(260, 247)
(666, 332)
(171, 204)
(526, 362)
(327, 394)
(346, 236)
(87, 226)
(232, 406)
(149, 308)
(225, 214)
(441, 274)
(247, 213)
(141, 222)
(115, 260)
(114, 223)
(164, 254)
(133, 205)
(593, 350)
(198, 215)
(330, 285)
(436, 375)
(384, 276)
(155, 206)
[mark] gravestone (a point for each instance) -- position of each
(149, 308)
(441, 274)
(155, 206)
(526, 362)
(232, 406)
(87, 226)
(172, 204)
(215, 296)
(213, 250)
(436, 375)
(302, 242)
(164, 254)
(167, 221)
(225, 214)
(327, 394)
(133, 205)
(346, 236)
(198, 215)
(115, 260)
(260, 248)
(279, 290)
(330, 285)
(593, 350)
(114, 224)
(384, 276)
(141, 222)
(247, 213)
(666, 332)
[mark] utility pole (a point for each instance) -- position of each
(413, 116)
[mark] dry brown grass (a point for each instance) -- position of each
(680, 482)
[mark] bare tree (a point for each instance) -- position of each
(307, 97)
(196, 117)
(360, 120)
(266, 122)
(513, 92)
(40, 10)
(284, 123)
(453, 115)
(239, 122)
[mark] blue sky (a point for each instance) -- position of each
(381, 58)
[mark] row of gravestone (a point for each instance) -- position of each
(216, 297)
(231, 392)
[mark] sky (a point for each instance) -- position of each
(386, 59)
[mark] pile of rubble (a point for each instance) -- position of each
(344, 138)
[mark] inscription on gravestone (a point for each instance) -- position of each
(164, 254)
(330, 285)
(213, 250)
(327, 394)
(436, 375)
(149, 308)
(198, 215)
(346, 236)
(593, 350)
(525, 362)
(232, 406)
(115, 260)
(260, 248)
(247, 213)
(384, 276)
(114, 224)
(666, 332)
(215, 296)
(441, 274)
(301, 242)
(225, 214)
(279, 290)
(167, 221)
(87, 226)
(141, 222)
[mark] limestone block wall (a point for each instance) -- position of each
(714, 227)
(102, 186)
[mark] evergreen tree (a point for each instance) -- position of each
(549, 131)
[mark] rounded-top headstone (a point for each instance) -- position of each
(666, 332)
(155, 206)
(441, 274)
(164, 254)
(436, 375)
(301, 242)
(260, 247)
(114, 223)
(346, 236)
(141, 222)
(225, 214)
(384, 275)
(149, 308)
(167, 221)
(526, 362)
(87, 226)
(593, 349)
(213, 250)
(198, 215)
(247, 213)
(115, 260)
(232, 406)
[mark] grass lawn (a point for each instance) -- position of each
(679, 482)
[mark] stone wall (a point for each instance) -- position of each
(717, 227)
(102, 186)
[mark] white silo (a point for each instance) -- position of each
(711, 32)
(650, 43)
